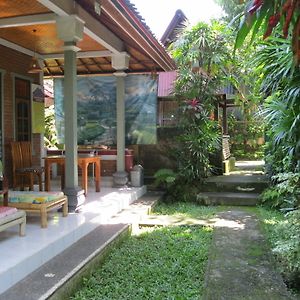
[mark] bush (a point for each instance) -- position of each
(283, 232)
(285, 192)
(176, 186)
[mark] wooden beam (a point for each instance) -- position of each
(16, 47)
(86, 54)
(27, 20)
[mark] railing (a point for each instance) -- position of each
(225, 147)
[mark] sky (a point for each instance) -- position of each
(159, 13)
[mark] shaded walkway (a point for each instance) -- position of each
(240, 263)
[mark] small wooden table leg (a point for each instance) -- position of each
(47, 175)
(22, 227)
(65, 208)
(97, 175)
(84, 169)
(43, 217)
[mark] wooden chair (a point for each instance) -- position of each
(23, 170)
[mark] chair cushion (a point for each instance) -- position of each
(33, 197)
(6, 211)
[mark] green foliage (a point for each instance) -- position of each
(281, 111)
(283, 232)
(201, 54)
(285, 193)
(176, 186)
(168, 263)
(246, 136)
(266, 18)
(200, 137)
(232, 8)
(164, 178)
(50, 136)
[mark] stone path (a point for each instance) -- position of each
(240, 265)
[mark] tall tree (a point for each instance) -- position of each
(232, 8)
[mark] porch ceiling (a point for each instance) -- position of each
(118, 28)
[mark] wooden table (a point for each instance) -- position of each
(83, 163)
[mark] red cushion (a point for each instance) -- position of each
(6, 211)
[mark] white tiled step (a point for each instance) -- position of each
(25, 254)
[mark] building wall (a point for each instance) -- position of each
(14, 64)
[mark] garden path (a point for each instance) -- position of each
(240, 263)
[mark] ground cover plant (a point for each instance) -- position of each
(283, 233)
(164, 263)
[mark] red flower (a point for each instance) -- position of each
(193, 103)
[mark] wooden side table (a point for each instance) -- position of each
(83, 163)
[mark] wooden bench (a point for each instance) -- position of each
(39, 205)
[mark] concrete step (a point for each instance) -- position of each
(236, 199)
(57, 278)
(236, 183)
(137, 211)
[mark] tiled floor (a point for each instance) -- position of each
(21, 255)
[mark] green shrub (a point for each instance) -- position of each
(176, 186)
(285, 193)
(164, 178)
(283, 232)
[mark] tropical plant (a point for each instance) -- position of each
(285, 193)
(283, 233)
(246, 136)
(164, 178)
(202, 54)
(279, 80)
(50, 136)
(268, 16)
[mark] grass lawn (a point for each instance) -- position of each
(162, 263)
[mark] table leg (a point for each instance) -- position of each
(62, 177)
(84, 170)
(47, 175)
(97, 175)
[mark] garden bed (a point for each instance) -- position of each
(164, 262)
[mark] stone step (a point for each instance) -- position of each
(235, 199)
(236, 183)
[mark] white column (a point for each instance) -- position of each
(70, 109)
(70, 30)
(120, 76)
(120, 62)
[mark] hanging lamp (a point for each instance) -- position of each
(34, 66)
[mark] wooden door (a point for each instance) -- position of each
(22, 110)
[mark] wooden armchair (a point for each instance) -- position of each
(23, 170)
